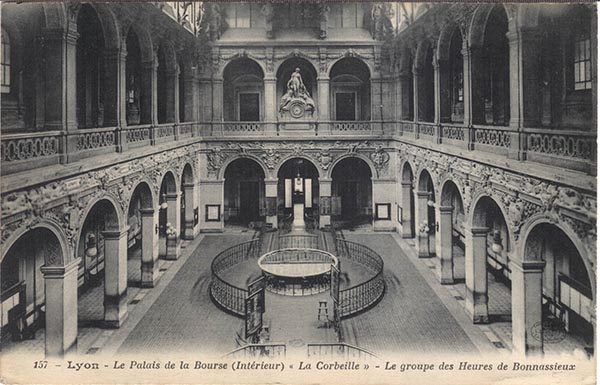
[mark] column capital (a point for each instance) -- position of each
(322, 78)
(59, 272)
(423, 194)
(405, 183)
(479, 231)
(269, 79)
(147, 212)
(115, 234)
(173, 195)
(446, 209)
(536, 266)
(188, 185)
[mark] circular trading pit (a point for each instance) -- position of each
(297, 271)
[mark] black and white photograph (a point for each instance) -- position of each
(298, 192)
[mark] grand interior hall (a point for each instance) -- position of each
(300, 179)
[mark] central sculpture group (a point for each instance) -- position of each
(297, 99)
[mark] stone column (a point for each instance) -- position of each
(172, 96)
(270, 104)
(476, 274)
(443, 244)
(271, 192)
(115, 278)
(408, 219)
(174, 218)
(61, 94)
(467, 83)
(324, 192)
(405, 110)
(188, 229)
(217, 100)
(416, 78)
(421, 217)
(190, 102)
(205, 99)
(61, 308)
(324, 97)
(149, 247)
(115, 102)
(437, 93)
(148, 110)
(526, 300)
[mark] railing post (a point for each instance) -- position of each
(121, 139)
(470, 137)
(176, 132)
(518, 146)
(152, 135)
(440, 133)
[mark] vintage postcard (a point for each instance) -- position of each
(298, 192)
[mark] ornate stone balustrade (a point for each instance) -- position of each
(241, 128)
(497, 138)
(21, 147)
(165, 131)
(137, 134)
(454, 132)
(350, 128)
(95, 138)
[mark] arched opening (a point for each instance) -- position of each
(141, 253)
(243, 91)
(244, 193)
(307, 72)
(425, 84)
(566, 66)
(90, 69)
(23, 306)
(133, 73)
(488, 274)
(567, 294)
(408, 202)
(350, 90)
(351, 193)
(451, 79)
(188, 209)
(167, 82)
(290, 190)
(425, 215)
(450, 246)
(102, 272)
(168, 217)
(491, 98)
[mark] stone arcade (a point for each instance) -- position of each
(466, 133)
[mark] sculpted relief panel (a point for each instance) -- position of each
(323, 155)
(64, 203)
(523, 198)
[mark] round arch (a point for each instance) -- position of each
(307, 71)
(407, 171)
(446, 190)
(296, 156)
(354, 155)
(55, 16)
(144, 41)
(445, 41)
(53, 228)
(187, 175)
(473, 221)
(421, 54)
(148, 199)
(540, 219)
(249, 58)
(423, 176)
(115, 215)
(167, 51)
(479, 23)
(254, 158)
(362, 62)
(170, 179)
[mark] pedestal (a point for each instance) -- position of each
(526, 299)
(115, 279)
(173, 248)
(443, 246)
(476, 274)
(298, 225)
(149, 248)
(61, 308)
